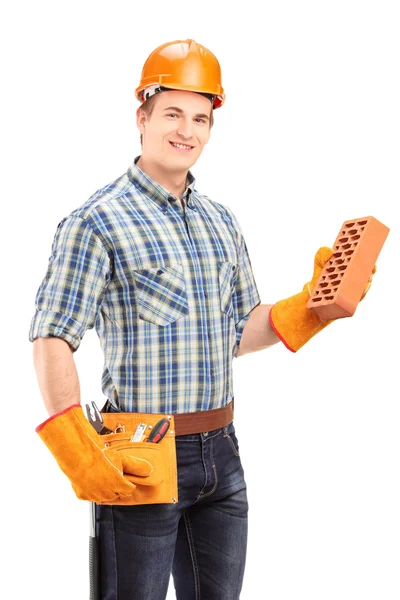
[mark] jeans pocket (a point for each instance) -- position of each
(230, 436)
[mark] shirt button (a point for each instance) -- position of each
(211, 372)
(159, 272)
(233, 268)
(199, 254)
(209, 335)
(206, 295)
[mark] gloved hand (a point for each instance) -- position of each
(95, 471)
(292, 321)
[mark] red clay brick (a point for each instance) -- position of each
(345, 276)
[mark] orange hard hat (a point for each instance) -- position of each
(182, 65)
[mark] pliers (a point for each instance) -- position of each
(94, 417)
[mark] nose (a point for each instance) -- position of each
(185, 128)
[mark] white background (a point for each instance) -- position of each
(308, 138)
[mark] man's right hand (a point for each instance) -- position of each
(95, 471)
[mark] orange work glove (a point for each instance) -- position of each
(95, 471)
(292, 321)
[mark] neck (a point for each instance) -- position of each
(174, 182)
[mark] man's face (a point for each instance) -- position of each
(181, 117)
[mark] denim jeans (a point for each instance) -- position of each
(201, 540)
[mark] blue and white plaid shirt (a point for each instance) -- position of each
(168, 290)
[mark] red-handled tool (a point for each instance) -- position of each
(159, 430)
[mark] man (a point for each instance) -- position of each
(163, 274)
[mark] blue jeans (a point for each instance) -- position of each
(201, 539)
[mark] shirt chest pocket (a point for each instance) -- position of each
(227, 275)
(161, 295)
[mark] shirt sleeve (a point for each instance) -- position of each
(246, 296)
(73, 288)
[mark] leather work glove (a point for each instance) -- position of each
(95, 471)
(292, 321)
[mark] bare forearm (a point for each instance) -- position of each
(56, 373)
(257, 333)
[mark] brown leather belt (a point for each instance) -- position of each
(204, 420)
(199, 422)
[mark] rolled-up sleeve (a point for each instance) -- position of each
(246, 296)
(72, 291)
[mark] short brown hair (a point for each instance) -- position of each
(148, 107)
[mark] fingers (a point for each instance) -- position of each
(320, 259)
(126, 492)
(322, 256)
(136, 466)
(369, 283)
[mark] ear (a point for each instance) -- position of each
(141, 119)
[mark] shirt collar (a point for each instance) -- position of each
(154, 190)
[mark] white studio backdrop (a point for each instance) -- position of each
(308, 138)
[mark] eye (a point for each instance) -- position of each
(202, 120)
(171, 114)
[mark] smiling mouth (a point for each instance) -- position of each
(185, 148)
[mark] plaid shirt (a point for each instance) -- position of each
(168, 290)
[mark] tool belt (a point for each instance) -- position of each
(124, 424)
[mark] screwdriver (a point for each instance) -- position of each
(159, 430)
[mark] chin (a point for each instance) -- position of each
(184, 161)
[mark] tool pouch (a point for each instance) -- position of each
(162, 485)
